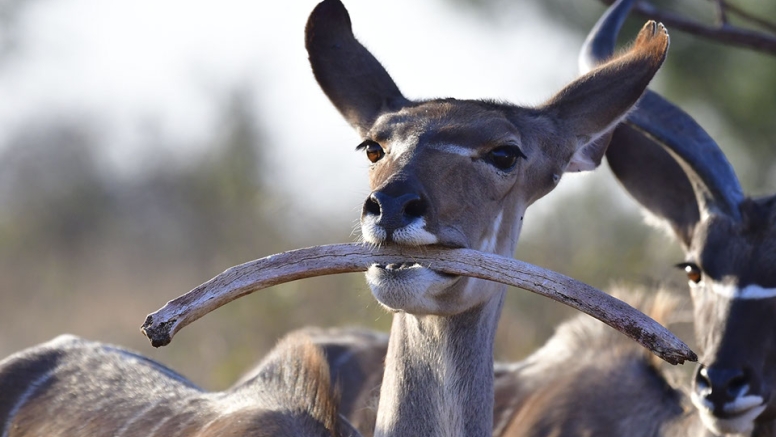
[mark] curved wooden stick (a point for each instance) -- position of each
(244, 279)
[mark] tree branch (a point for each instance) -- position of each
(727, 34)
(244, 279)
(744, 15)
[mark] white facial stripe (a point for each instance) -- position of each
(489, 244)
(455, 150)
(398, 147)
(752, 291)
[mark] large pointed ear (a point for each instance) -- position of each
(355, 82)
(588, 108)
(662, 157)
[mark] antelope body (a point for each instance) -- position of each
(457, 173)
(444, 172)
(589, 380)
(679, 174)
(73, 387)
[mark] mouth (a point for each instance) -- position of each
(736, 417)
(408, 285)
(406, 267)
(399, 266)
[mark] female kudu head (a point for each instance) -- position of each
(461, 173)
(670, 165)
(457, 173)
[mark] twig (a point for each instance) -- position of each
(721, 10)
(747, 16)
(244, 279)
(726, 34)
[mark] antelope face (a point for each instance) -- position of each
(461, 173)
(675, 170)
(452, 173)
(733, 287)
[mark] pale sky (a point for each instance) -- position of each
(133, 65)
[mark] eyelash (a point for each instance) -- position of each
(694, 273)
(505, 158)
(374, 151)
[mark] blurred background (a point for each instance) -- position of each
(147, 146)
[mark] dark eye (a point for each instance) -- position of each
(504, 157)
(692, 270)
(374, 151)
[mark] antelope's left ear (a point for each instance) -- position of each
(587, 110)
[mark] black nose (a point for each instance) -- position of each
(394, 211)
(722, 385)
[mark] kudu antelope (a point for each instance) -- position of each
(458, 173)
(590, 380)
(445, 172)
(607, 388)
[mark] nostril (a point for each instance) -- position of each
(415, 208)
(702, 379)
(392, 212)
(722, 384)
(372, 206)
(737, 384)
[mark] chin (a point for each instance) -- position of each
(408, 287)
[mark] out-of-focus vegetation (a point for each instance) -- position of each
(92, 253)
(85, 252)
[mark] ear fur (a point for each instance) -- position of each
(591, 106)
(353, 79)
(588, 157)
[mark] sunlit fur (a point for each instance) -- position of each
(73, 387)
(439, 365)
(435, 183)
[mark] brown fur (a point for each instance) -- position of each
(92, 389)
(437, 177)
(438, 378)
(587, 380)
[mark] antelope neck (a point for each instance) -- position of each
(439, 373)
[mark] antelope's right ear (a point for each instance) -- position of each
(355, 82)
